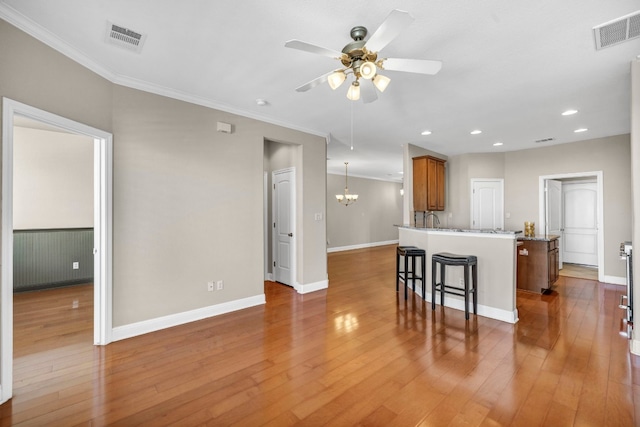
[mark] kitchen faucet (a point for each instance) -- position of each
(434, 219)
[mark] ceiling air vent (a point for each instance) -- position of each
(617, 31)
(540, 141)
(124, 37)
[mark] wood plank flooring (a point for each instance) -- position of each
(355, 354)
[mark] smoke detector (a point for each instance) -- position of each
(617, 31)
(124, 37)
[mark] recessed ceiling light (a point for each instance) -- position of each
(261, 102)
(426, 132)
(581, 130)
(476, 132)
(569, 112)
(497, 144)
(401, 172)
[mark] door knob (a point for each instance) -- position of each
(290, 234)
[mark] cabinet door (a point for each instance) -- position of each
(432, 184)
(420, 184)
(440, 185)
(553, 266)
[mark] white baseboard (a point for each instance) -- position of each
(269, 277)
(483, 310)
(157, 324)
(312, 287)
(615, 280)
(634, 346)
(361, 246)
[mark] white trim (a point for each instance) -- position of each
(103, 240)
(634, 346)
(164, 322)
(265, 223)
(311, 287)
(600, 186)
(483, 310)
(361, 246)
(33, 29)
(614, 280)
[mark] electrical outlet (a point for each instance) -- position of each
(461, 283)
(75, 265)
(75, 303)
(219, 285)
(210, 287)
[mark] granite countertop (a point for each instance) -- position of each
(541, 237)
(462, 230)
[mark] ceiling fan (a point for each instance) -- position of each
(360, 58)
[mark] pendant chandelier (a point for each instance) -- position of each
(346, 198)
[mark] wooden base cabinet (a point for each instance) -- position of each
(538, 263)
(428, 184)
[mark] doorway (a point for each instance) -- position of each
(584, 230)
(103, 166)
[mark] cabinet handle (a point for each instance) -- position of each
(622, 304)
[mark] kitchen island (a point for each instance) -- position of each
(496, 253)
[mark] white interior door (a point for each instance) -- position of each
(487, 205)
(580, 223)
(284, 226)
(553, 192)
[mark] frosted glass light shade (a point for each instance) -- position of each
(336, 79)
(381, 82)
(368, 70)
(354, 91)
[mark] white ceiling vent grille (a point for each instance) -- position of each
(617, 31)
(124, 37)
(543, 140)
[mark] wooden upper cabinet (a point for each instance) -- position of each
(428, 184)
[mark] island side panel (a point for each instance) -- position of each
(496, 267)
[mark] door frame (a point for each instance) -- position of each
(103, 230)
(294, 239)
(542, 213)
(471, 193)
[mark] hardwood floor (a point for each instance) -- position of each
(355, 354)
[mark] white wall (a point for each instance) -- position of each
(52, 180)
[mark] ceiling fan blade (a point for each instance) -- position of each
(389, 30)
(421, 66)
(315, 82)
(311, 48)
(367, 91)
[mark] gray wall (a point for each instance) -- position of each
(188, 201)
(368, 221)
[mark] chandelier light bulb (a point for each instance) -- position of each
(336, 79)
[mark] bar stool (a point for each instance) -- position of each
(444, 259)
(410, 252)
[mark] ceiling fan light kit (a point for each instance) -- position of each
(360, 57)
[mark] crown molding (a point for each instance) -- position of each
(45, 36)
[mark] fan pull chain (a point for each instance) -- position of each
(351, 125)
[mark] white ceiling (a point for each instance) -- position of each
(510, 67)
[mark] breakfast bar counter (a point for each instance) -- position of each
(496, 253)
